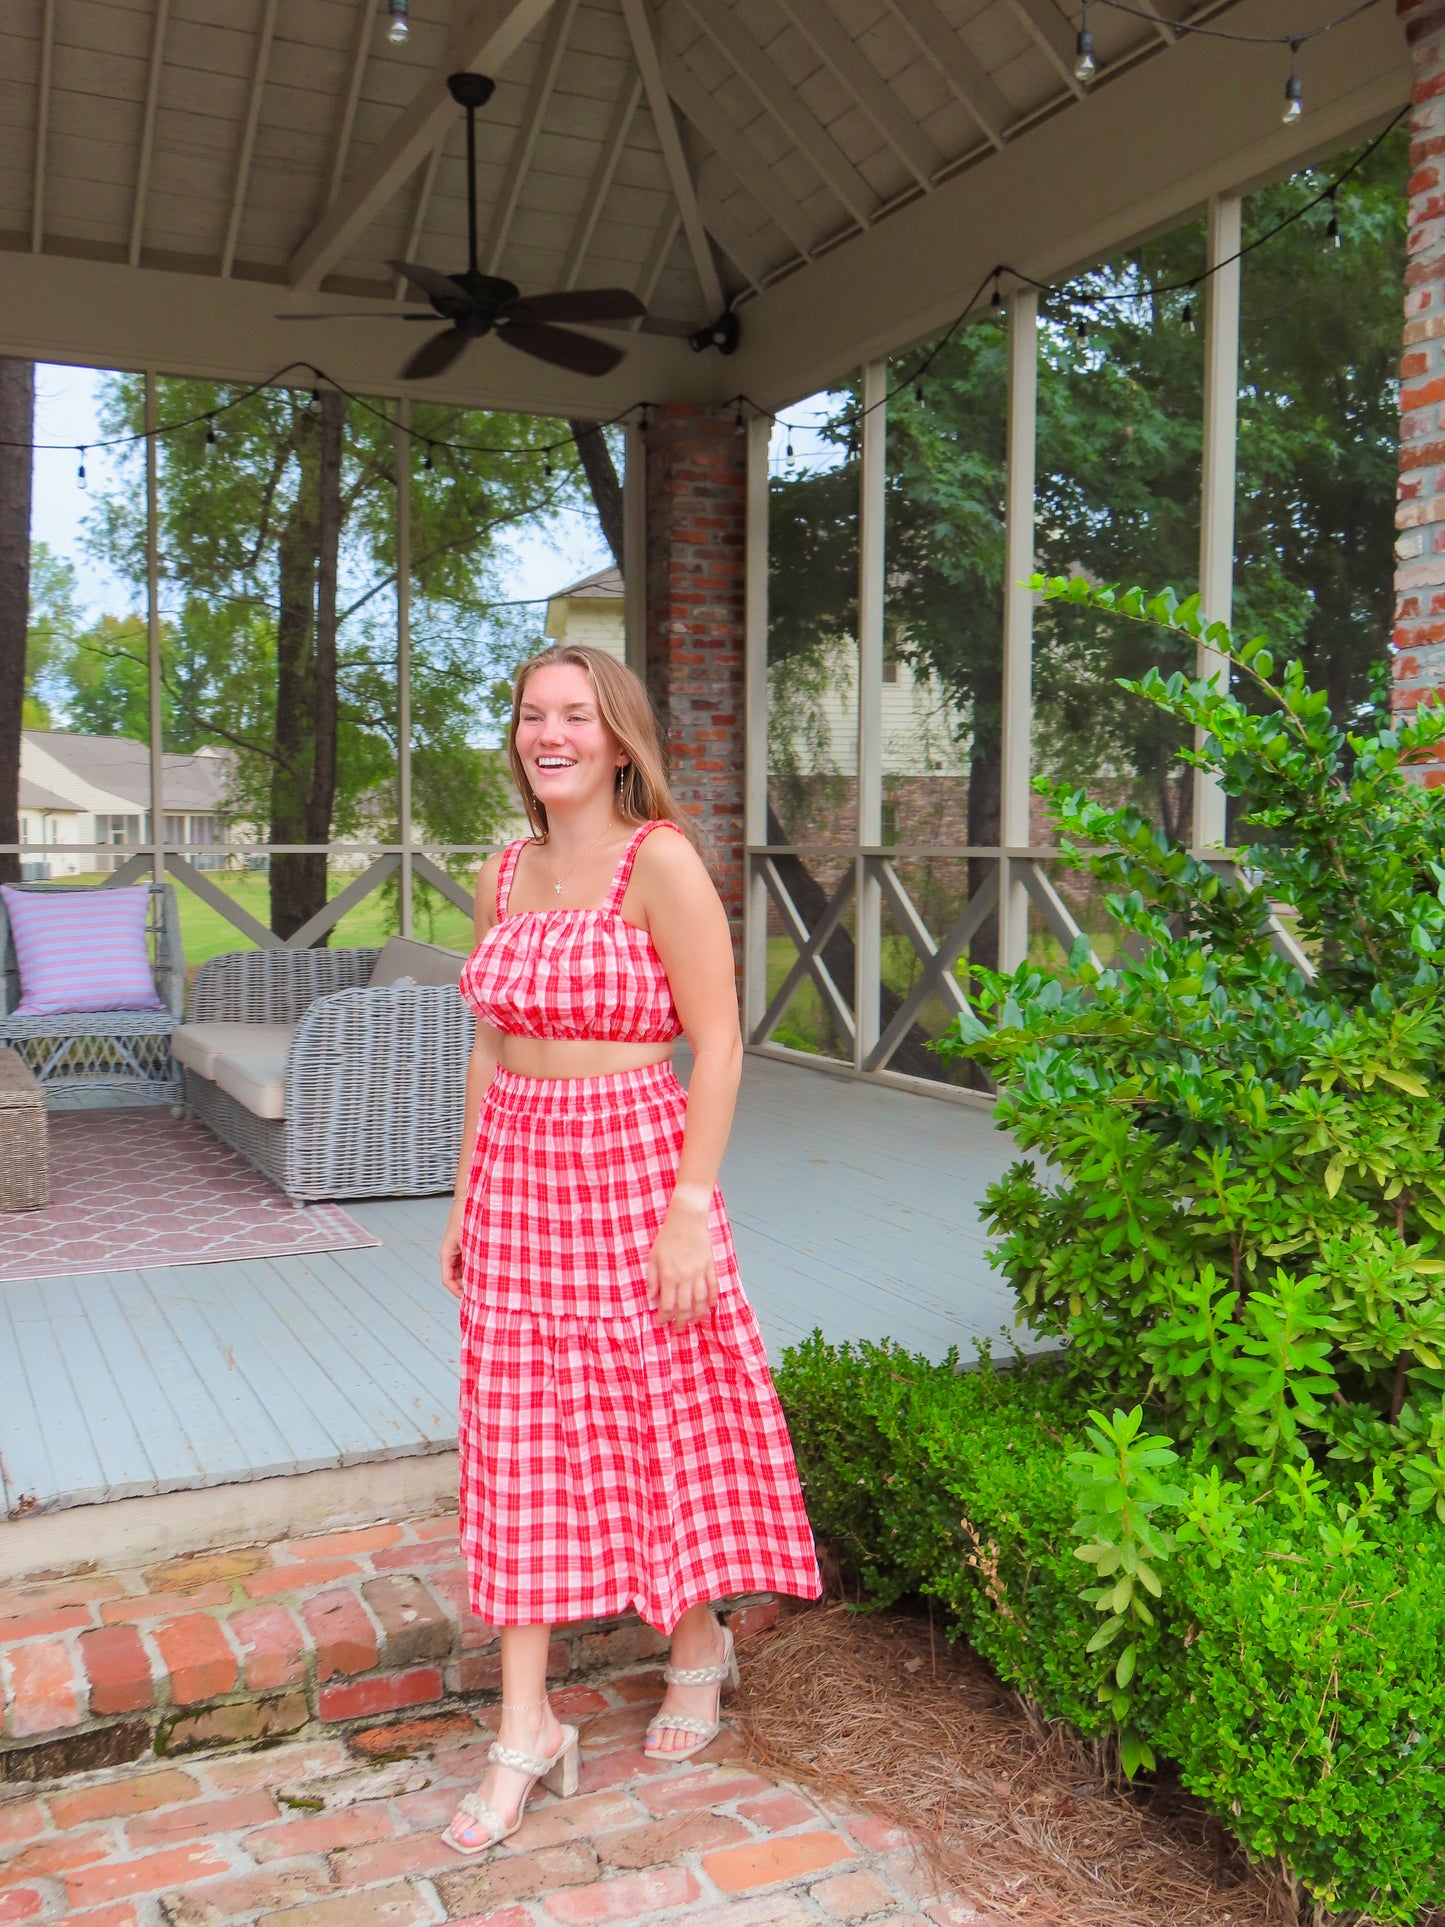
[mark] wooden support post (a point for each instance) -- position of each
(1018, 623)
(153, 639)
(755, 723)
(872, 474)
(634, 549)
(1216, 520)
(403, 658)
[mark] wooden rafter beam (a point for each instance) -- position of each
(351, 94)
(148, 131)
(1046, 25)
(42, 127)
(655, 260)
(857, 76)
(490, 37)
(248, 135)
(674, 155)
(751, 64)
(600, 185)
(736, 151)
(559, 27)
(943, 44)
(420, 209)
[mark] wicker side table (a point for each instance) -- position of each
(24, 1147)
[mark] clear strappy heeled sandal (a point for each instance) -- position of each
(558, 1775)
(705, 1731)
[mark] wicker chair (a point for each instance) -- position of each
(126, 1052)
(374, 1077)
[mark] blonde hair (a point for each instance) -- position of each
(643, 795)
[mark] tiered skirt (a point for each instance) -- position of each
(608, 1462)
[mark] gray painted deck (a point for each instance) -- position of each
(855, 1209)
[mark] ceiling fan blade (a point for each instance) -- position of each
(578, 304)
(439, 286)
(580, 353)
(337, 315)
(434, 357)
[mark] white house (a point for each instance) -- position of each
(95, 790)
(919, 728)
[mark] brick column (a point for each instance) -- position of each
(1419, 633)
(696, 537)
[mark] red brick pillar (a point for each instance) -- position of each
(696, 537)
(1419, 634)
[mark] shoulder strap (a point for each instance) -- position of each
(505, 874)
(629, 857)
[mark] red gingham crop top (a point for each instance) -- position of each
(574, 974)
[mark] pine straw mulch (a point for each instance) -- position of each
(877, 1711)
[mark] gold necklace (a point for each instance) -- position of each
(557, 886)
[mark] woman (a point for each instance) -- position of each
(621, 1443)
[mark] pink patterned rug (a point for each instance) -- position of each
(131, 1188)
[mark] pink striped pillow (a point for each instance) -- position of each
(81, 950)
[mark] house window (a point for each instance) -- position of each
(889, 830)
(890, 664)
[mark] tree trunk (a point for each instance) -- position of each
(17, 417)
(303, 777)
(603, 480)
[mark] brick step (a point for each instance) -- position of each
(237, 1649)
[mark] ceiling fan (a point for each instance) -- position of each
(477, 304)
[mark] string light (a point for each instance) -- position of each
(1332, 230)
(1084, 64)
(210, 434)
(1081, 330)
(1187, 316)
(994, 297)
(1294, 93)
(790, 448)
(80, 471)
(397, 24)
(427, 463)
(918, 393)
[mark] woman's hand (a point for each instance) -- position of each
(451, 1253)
(681, 1272)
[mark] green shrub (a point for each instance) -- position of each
(1293, 1664)
(1243, 1221)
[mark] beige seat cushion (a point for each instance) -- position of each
(255, 1078)
(197, 1046)
(422, 963)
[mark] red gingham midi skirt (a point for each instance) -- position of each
(608, 1462)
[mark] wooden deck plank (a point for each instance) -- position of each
(365, 1420)
(855, 1208)
(165, 1438)
(286, 1386)
(24, 1457)
(108, 1403)
(74, 1460)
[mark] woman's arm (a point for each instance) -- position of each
(690, 929)
(480, 1068)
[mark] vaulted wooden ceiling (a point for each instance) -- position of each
(700, 152)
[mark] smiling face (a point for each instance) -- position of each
(567, 750)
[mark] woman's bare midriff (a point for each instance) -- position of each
(569, 1057)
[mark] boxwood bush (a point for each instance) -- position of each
(1292, 1664)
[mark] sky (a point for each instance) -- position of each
(539, 560)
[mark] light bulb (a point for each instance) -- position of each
(1294, 93)
(1084, 67)
(398, 26)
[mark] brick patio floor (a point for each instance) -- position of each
(343, 1832)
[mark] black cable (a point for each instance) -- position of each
(1224, 33)
(994, 277)
(996, 274)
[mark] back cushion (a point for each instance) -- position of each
(404, 960)
(81, 950)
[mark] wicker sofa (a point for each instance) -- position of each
(339, 1073)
